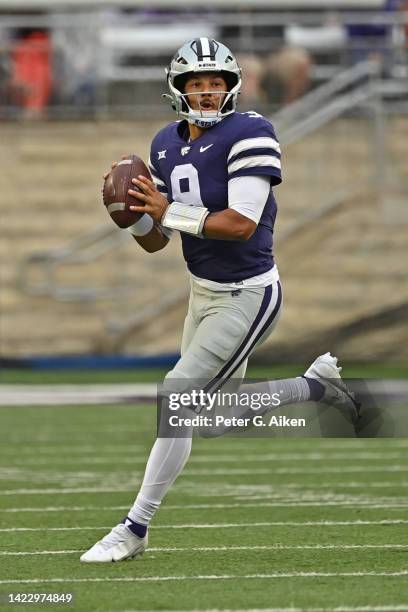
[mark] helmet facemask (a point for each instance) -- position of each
(202, 116)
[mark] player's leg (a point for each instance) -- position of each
(168, 455)
(232, 308)
(215, 330)
(217, 343)
(210, 338)
(166, 460)
(220, 333)
(321, 382)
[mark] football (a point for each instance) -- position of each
(116, 186)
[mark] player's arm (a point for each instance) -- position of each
(155, 238)
(152, 236)
(228, 225)
(247, 196)
(246, 199)
(254, 166)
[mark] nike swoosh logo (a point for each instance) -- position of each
(202, 149)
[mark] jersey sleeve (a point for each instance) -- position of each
(256, 151)
(155, 172)
(160, 184)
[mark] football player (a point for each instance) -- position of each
(213, 177)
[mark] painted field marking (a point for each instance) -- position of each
(230, 458)
(225, 548)
(221, 525)
(253, 501)
(273, 471)
(278, 503)
(396, 608)
(212, 577)
(179, 486)
(120, 448)
(16, 473)
(66, 491)
(57, 395)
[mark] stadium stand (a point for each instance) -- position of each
(65, 290)
(357, 268)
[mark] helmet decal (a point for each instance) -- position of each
(204, 47)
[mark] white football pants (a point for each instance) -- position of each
(221, 330)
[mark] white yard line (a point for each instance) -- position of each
(220, 525)
(231, 444)
(366, 504)
(212, 577)
(11, 553)
(72, 394)
(14, 473)
(45, 448)
(353, 469)
(230, 458)
(396, 608)
(281, 486)
(59, 395)
(66, 491)
(67, 509)
(130, 488)
(224, 549)
(343, 485)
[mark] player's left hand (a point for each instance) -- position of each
(151, 200)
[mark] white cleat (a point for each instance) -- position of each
(118, 545)
(327, 372)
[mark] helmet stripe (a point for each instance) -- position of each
(205, 47)
(198, 49)
(213, 49)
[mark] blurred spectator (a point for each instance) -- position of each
(78, 57)
(287, 74)
(31, 79)
(279, 78)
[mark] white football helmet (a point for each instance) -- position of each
(203, 55)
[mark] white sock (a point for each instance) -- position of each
(167, 459)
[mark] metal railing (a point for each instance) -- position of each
(107, 41)
(83, 250)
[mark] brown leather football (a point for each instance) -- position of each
(115, 190)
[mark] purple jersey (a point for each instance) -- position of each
(197, 173)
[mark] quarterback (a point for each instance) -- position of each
(214, 171)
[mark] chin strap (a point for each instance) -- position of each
(204, 122)
(185, 218)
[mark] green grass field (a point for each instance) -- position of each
(251, 524)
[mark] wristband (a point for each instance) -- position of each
(185, 218)
(141, 227)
